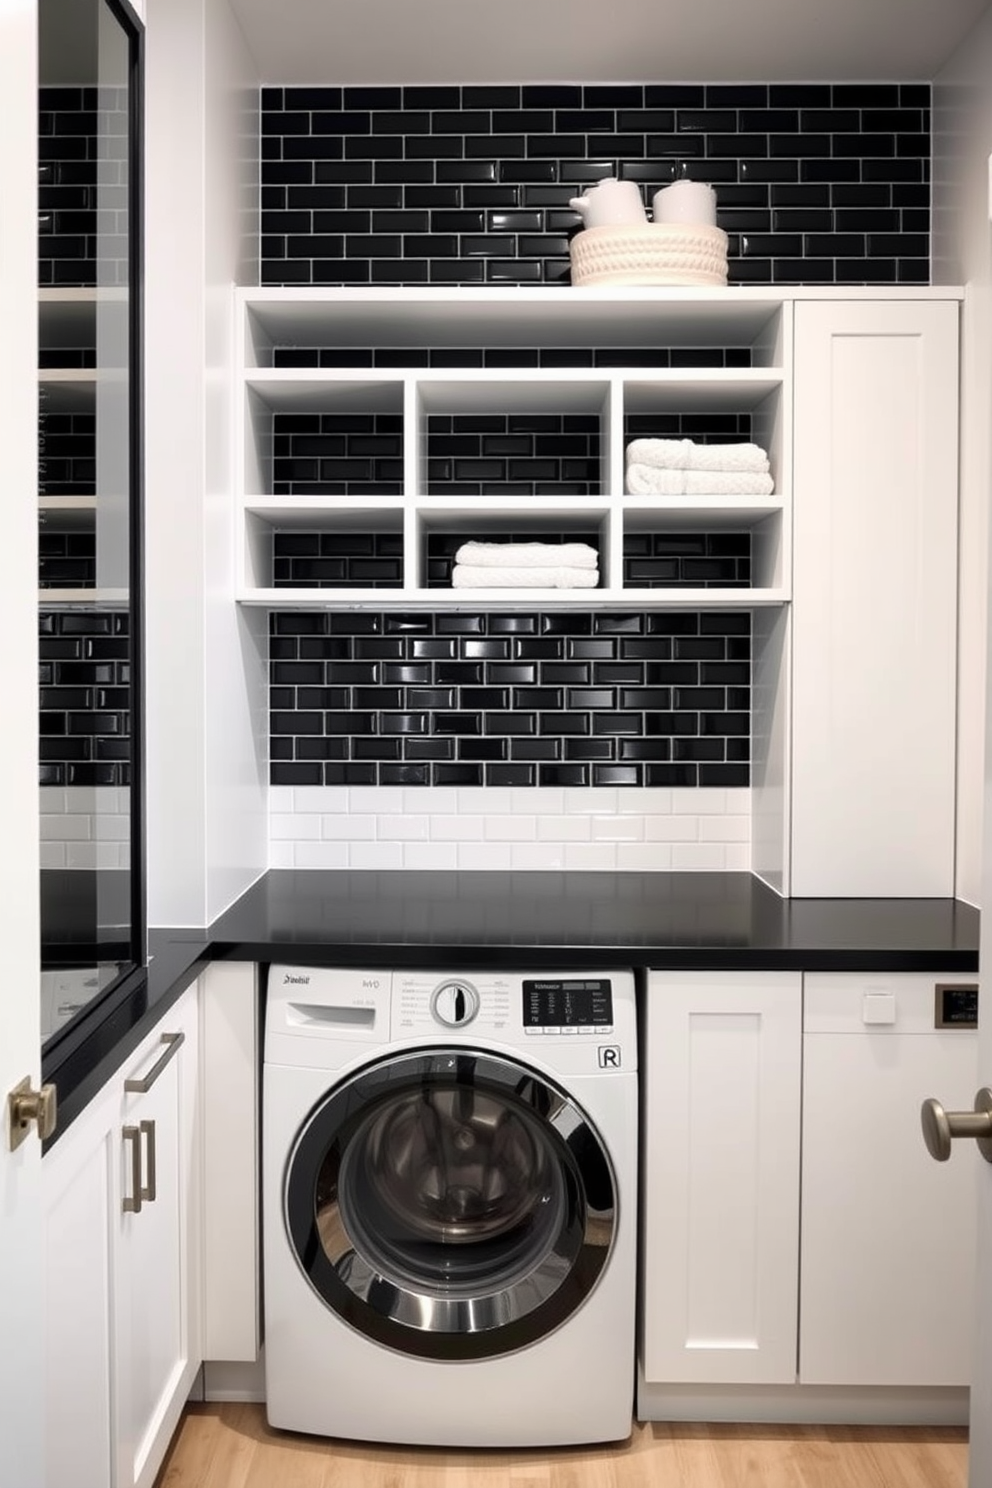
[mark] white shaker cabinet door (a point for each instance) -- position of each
(888, 1235)
(874, 612)
(720, 1245)
(77, 1182)
(156, 1281)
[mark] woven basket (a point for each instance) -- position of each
(657, 253)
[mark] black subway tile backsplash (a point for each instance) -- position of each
(84, 698)
(455, 141)
(540, 698)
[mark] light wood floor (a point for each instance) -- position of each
(231, 1446)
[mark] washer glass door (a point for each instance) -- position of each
(450, 1204)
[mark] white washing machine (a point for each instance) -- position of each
(449, 1205)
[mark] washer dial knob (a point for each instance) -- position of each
(454, 1003)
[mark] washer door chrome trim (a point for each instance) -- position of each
(450, 1203)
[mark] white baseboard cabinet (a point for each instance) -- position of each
(803, 1257)
(888, 1235)
(720, 1218)
(121, 1243)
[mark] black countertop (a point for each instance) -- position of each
(711, 921)
(539, 921)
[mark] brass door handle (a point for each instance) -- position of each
(940, 1127)
(25, 1105)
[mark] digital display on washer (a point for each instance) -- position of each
(575, 1002)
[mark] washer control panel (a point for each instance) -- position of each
(455, 1003)
(568, 1005)
(426, 1001)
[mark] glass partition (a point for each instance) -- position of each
(92, 895)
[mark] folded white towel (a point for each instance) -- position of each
(528, 555)
(647, 480)
(482, 576)
(686, 454)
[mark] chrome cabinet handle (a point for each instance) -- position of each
(940, 1127)
(141, 1193)
(142, 1086)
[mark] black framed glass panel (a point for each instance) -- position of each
(89, 465)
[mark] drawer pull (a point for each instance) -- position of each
(144, 1084)
(141, 1193)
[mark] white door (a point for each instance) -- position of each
(21, 1295)
(980, 1459)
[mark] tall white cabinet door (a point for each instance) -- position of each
(720, 1246)
(888, 1235)
(157, 1347)
(77, 1180)
(875, 564)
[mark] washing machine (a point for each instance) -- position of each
(449, 1205)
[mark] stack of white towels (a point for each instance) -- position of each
(535, 565)
(681, 467)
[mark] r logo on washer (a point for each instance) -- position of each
(609, 1056)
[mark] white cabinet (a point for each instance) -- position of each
(874, 604)
(121, 1216)
(79, 1177)
(720, 1238)
(393, 424)
(888, 1235)
(155, 1271)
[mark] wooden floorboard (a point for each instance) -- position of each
(232, 1446)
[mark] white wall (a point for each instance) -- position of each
(962, 254)
(206, 827)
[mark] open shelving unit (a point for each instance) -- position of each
(402, 421)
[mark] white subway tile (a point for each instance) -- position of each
(64, 828)
(481, 856)
(457, 828)
(51, 799)
(403, 828)
(112, 828)
(485, 801)
(598, 857)
(299, 826)
(85, 799)
(737, 857)
(322, 798)
(281, 798)
(430, 856)
(644, 857)
(347, 828)
(696, 856)
(81, 855)
(564, 828)
(375, 800)
(704, 801)
(542, 800)
(599, 801)
(537, 856)
(321, 855)
(724, 829)
(617, 828)
(434, 800)
(650, 801)
(52, 854)
(282, 854)
(671, 828)
(509, 828)
(376, 855)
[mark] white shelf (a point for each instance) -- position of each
(622, 398)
